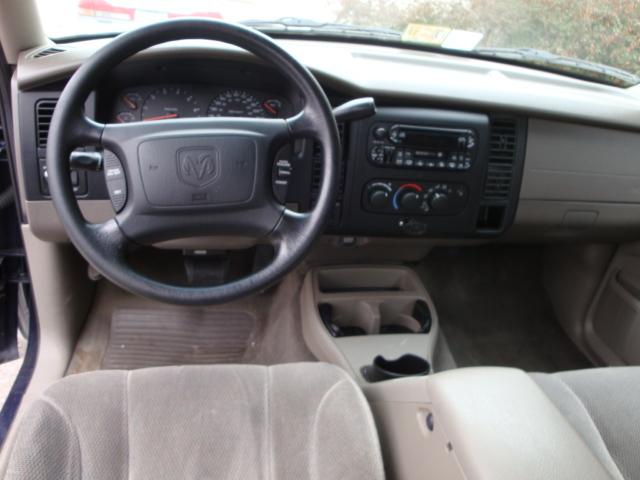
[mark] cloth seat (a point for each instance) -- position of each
(603, 406)
(295, 421)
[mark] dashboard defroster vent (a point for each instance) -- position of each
(316, 171)
(44, 113)
(48, 51)
(502, 157)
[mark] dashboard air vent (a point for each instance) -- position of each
(316, 170)
(48, 51)
(44, 112)
(502, 157)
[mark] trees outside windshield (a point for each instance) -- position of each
(602, 31)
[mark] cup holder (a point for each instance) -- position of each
(348, 318)
(407, 365)
(345, 322)
(405, 317)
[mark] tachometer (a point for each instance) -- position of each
(170, 102)
(236, 103)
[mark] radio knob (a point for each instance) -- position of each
(380, 133)
(439, 201)
(379, 199)
(410, 200)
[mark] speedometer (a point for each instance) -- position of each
(170, 102)
(236, 103)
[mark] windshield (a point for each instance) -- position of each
(593, 39)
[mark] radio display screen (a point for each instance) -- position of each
(439, 141)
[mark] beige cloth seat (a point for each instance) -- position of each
(603, 406)
(296, 421)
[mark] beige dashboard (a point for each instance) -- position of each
(581, 166)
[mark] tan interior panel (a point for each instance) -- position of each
(571, 275)
(613, 322)
(485, 423)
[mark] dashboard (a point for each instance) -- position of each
(159, 102)
(457, 149)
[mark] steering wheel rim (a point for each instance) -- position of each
(105, 245)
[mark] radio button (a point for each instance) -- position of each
(377, 155)
(471, 141)
(408, 158)
(380, 133)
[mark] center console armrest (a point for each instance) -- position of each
(477, 423)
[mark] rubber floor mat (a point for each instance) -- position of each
(150, 338)
(494, 310)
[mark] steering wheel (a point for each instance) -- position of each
(191, 177)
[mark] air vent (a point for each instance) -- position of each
(502, 157)
(44, 112)
(49, 51)
(316, 170)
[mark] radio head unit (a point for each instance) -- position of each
(422, 147)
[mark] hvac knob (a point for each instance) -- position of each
(379, 199)
(439, 201)
(409, 200)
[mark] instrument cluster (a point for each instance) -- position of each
(150, 103)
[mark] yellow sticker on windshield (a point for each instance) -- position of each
(431, 34)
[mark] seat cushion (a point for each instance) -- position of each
(295, 421)
(603, 406)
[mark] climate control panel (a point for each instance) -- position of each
(416, 198)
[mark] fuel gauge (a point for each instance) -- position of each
(273, 106)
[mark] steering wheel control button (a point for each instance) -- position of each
(118, 194)
(202, 170)
(281, 173)
(112, 167)
(116, 181)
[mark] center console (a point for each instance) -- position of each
(380, 325)
(425, 172)
(376, 322)
(478, 423)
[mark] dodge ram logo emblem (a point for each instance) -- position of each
(198, 166)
